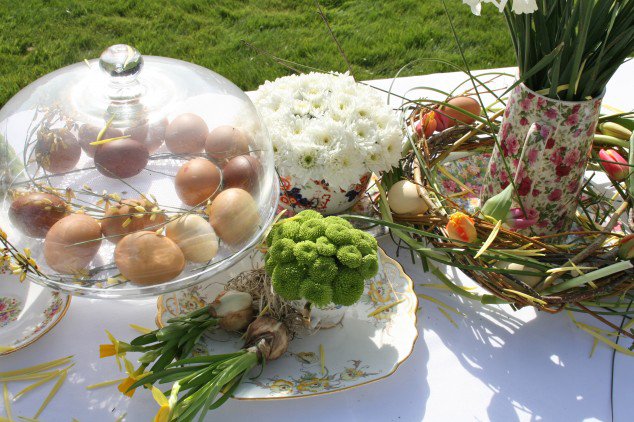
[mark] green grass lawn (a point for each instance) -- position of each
(379, 36)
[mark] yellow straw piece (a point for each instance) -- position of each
(37, 368)
(322, 359)
(105, 141)
(489, 240)
(566, 269)
(446, 314)
(28, 377)
(3, 419)
(525, 296)
(5, 349)
(385, 308)
(7, 403)
(24, 418)
(439, 303)
(104, 129)
(448, 175)
(140, 329)
(35, 385)
(104, 384)
(56, 387)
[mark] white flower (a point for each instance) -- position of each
(326, 126)
(524, 6)
(300, 107)
(474, 5)
(519, 6)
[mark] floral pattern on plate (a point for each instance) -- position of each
(370, 343)
(10, 308)
(20, 328)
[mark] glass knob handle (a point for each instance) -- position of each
(121, 61)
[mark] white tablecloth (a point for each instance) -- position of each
(497, 365)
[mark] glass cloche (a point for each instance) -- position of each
(129, 175)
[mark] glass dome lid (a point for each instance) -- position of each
(130, 176)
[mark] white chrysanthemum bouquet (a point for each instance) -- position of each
(328, 127)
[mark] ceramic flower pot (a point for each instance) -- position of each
(319, 195)
(545, 144)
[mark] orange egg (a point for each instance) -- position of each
(148, 258)
(89, 133)
(120, 219)
(196, 181)
(234, 216)
(35, 213)
(186, 134)
(57, 151)
(455, 117)
(242, 172)
(72, 243)
(226, 142)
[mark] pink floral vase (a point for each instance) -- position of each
(546, 144)
(320, 196)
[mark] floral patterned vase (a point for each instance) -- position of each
(319, 195)
(546, 144)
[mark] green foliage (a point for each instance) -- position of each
(349, 256)
(323, 270)
(339, 234)
(316, 261)
(369, 266)
(325, 247)
(283, 250)
(317, 293)
(287, 279)
(39, 36)
(312, 229)
(582, 41)
(347, 287)
(305, 252)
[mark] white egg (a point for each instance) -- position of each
(194, 236)
(531, 280)
(404, 198)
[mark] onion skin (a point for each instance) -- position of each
(269, 336)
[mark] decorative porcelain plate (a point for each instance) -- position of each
(27, 312)
(368, 344)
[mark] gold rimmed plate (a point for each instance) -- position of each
(372, 339)
(27, 312)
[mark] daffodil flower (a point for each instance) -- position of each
(117, 349)
(166, 409)
(133, 376)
